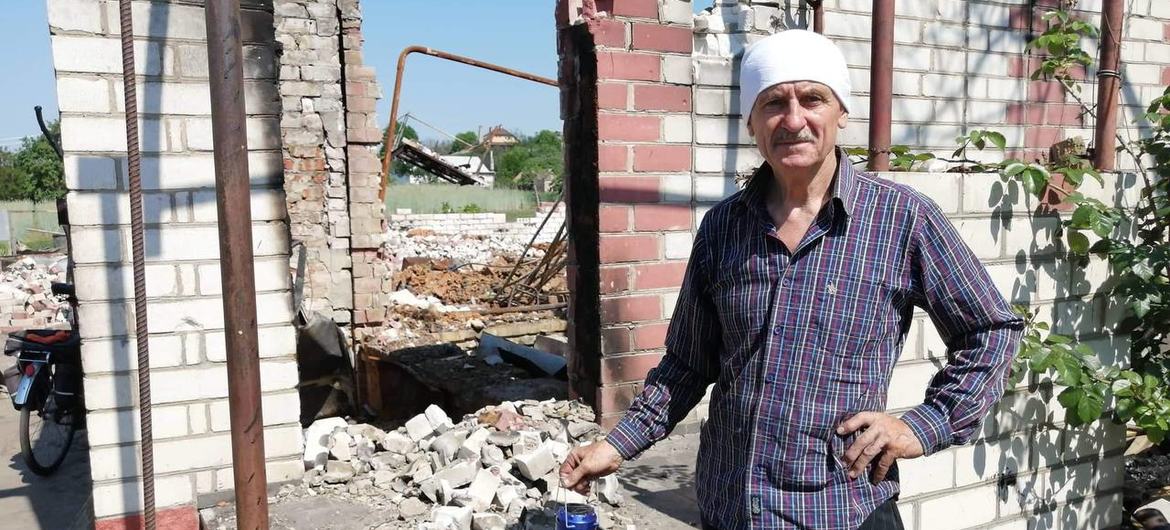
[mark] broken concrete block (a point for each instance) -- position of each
(459, 517)
(366, 430)
(383, 478)
(483, 488)
(488, 521)
(503, 439)
(559, 449)
(419, 427)
(529, 441)
(506, 494)
(339, 445)
(491, 455)
(578, 429)
(317, 438)
(421, 471)
(437, 417)
(387, 461)
(337, 472)
(447, 444)
(458, 474)
(609, 490)
(363, 448)
(473, 443)
(535, 464)
(411, 507)
(396, 442)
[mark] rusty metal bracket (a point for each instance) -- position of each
(391, 129)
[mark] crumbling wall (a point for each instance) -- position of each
(314, 140)
(332, 171)
(189, 380)
(1027, 463)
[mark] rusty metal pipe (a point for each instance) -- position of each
(391, 129)
(138, 259)
(233, 193)
(818, 7)
(881, 85)
(1108, 85)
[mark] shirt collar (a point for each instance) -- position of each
(844, 186)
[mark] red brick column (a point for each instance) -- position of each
(643, 185)
(1044, 108)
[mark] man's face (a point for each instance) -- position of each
(795, 124)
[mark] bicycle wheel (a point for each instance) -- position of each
(46, 434)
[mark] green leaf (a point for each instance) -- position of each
(1014, 168)
(1142, 269)
(1078, 242)
(1090, 408)
(1122, 388)
(1140, 307)
(997, 138)
(1068, 370)
(1080, 217)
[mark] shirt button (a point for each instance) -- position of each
(775, 331)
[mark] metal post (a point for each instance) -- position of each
(233, 194)
(818, 15)
(881, 85)
(392, 128)
(1108, 85)
(138, 259)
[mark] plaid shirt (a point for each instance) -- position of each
(797, 342)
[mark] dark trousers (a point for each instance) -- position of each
(884, 517)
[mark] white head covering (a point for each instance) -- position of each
(792, 55)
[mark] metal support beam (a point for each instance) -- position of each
(881, 85)
(138, 260)
(233, 195)
(1108, 85)
(818, 7)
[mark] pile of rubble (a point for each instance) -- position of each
(496, 469)
(26, 300)
(403, 242)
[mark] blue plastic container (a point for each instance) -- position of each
(576, 517)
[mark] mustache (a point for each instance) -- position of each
(783, 136)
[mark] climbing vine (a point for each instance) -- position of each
(1135, 241)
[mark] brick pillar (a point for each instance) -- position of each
(371, 281)
(639, 122)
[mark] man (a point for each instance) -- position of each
(795, 304)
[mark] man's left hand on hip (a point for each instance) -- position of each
(881, 434)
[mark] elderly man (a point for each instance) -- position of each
(795, 304)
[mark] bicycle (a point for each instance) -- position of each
(49, 392)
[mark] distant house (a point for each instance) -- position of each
(500, 137)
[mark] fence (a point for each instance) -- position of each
(30, 223)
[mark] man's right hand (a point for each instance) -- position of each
(587, 463)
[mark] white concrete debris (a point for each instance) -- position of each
(467, 475)
(317, 438)
(465, 238)
(26, 298)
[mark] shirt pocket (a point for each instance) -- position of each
(854, 315)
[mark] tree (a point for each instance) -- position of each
(13, 183)
(542, 154)
(32, 173)
(463, 144)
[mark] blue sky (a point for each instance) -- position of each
(516, 33)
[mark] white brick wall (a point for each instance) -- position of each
(185, 310)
